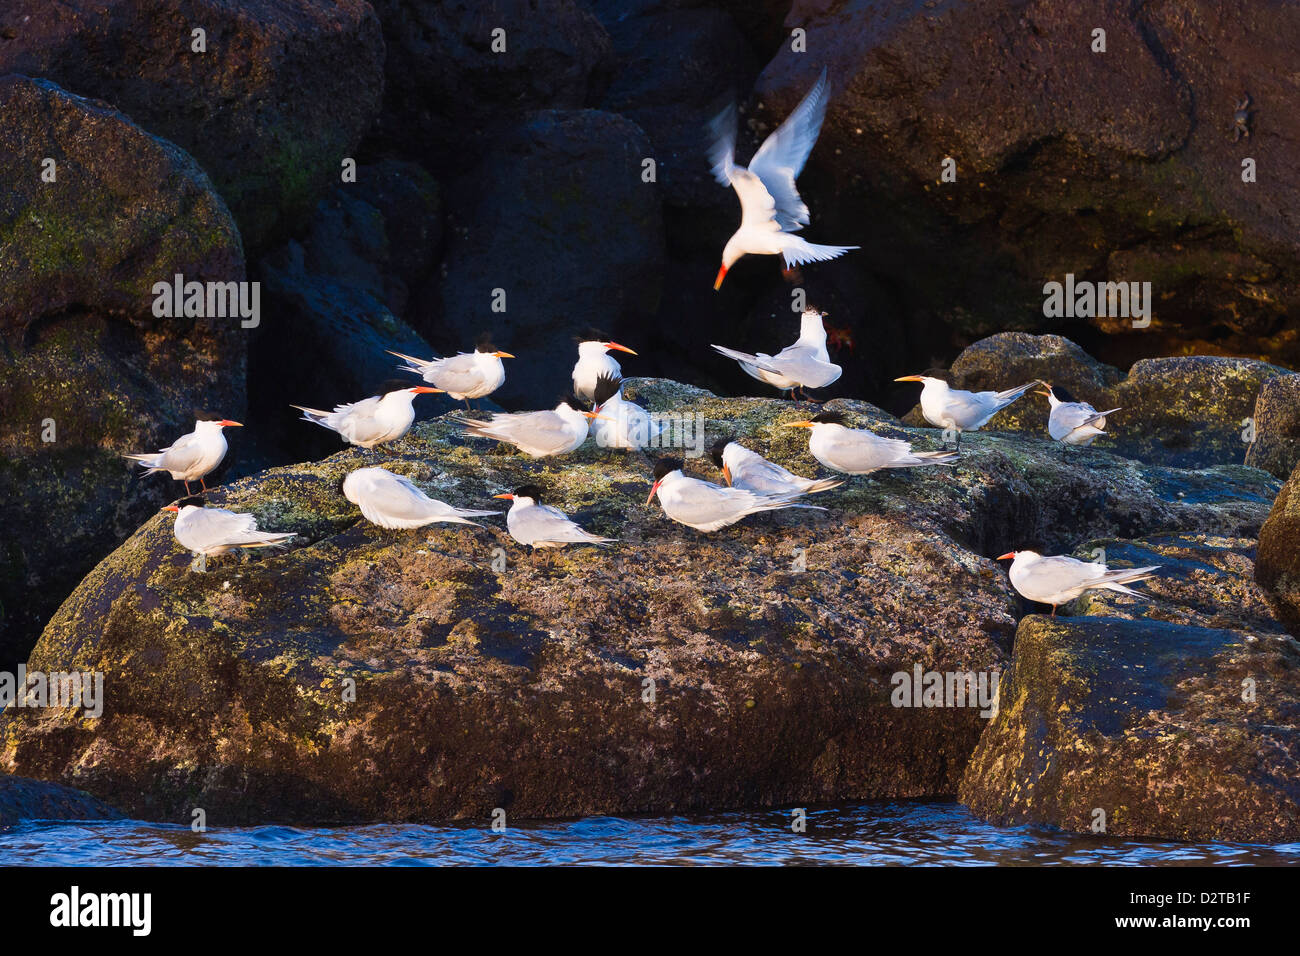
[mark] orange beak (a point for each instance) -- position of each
(619, 348)
(425, 389)
(1010, 555)
(506, 497)
(595, 415)
(227, 423)
(652, 492)
(799, 424)
(909, 378)
(171, 508)
(717, 283)
(503, 355)
(726, 473)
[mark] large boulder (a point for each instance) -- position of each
(1174, 720)
(282, 94)
(89, 372)
(676, 671)
(334, 301)
(1118, 165)
(1276, 448)
(22, 800)
(451, 87)
(1188, 410)
(553, 232)
(1278, 566)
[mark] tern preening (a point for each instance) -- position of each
(705, 506)
(193, 455)
(539, 434)
(946, 407)
(392, 501)
(542, 526)
(208, 532)
(621, 423)
(749, 470)
(1072, 422)
(806, 364)
(464, 375)
(594, 362)
(1059, 579)
(771, 208)
(385, 416)
(859, 451)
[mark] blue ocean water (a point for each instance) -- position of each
(899, 833)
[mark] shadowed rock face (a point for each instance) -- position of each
(1140, 713)
(554, 232)
(1277, 426)
(36, 800)
(88, 371)
(1189, 411)
(1278, 568)
(524, 688)
(1111, 166)
(282, 95)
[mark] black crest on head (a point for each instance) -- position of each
(1063, 394)
(666, 466)
(828, 418)
(204, 416)
(607, 387)
(484, 343)
(197, 501)
(393, 385)
(573, 401)
(592, 334)
(529, 491)
(718, 447)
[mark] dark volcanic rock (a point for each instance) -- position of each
(282, 95)
(22, 800)
(333, 301)
(1189, 411)
(557, 218)
(1177, 723)
(449, 92)
(1112, 166)
(88, 371)
(523, 689)
(1276, 448)
(68, 243)
(1278, 566)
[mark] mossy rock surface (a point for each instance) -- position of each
(1278, 567)
(281, 94)
(1191, 411)
(771, 644)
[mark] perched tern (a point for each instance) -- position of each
(859, 451)
(464, 375)
(392, 501)
(946, 407)
(212, 531)
(193, 455)
(743, 468)
(621, 423)
(1071, 422)
(594, 361)
(705, 506)
(1060, 579)
(383, 417)
(806, 364)
(541, 526)
(771, 208)
(539, 434)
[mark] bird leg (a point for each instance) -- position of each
(187, 489)
(203, 484)
(1053, 610)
